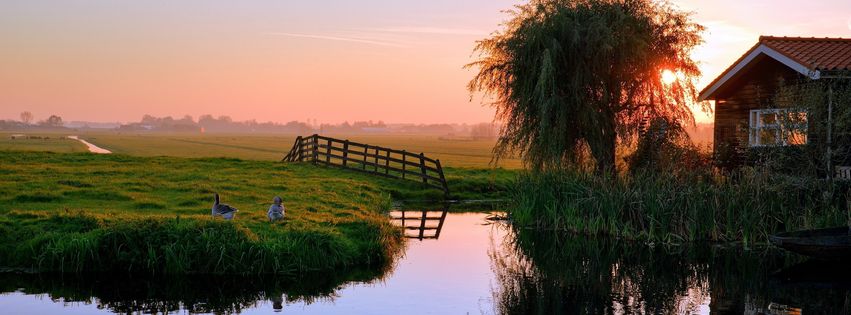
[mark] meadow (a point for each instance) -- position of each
(85, 212)
(146, 208)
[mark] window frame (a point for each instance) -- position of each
(757, 125)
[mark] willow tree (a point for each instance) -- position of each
(573, 78)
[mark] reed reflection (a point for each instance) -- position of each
(550, 273)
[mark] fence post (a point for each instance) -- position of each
(365, 152)
(328, 152)
(422, 224)
(387, 164)
(291, 155)
(423, 168)
(301, 149)
(442, 178)
(315, 148)
(440, 224)
(404, 162)
(345, 152)
(376, 160)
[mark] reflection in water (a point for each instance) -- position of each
(425, 224)
(546, 273)
(472, 265)
(195, 294)
(446, 276)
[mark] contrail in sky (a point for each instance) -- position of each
(341, 39)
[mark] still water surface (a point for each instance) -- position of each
(463, 263)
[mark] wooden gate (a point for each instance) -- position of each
(368, 158)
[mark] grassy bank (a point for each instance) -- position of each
(86, 212)
(745, 207)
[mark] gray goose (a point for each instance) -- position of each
(276, 211)
(223, 210)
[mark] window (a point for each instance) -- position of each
(777, 127)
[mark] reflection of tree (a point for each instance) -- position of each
(547, 273)
(195, 294)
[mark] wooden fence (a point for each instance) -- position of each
(368, 158)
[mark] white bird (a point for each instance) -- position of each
(223, 210)
(276, 211)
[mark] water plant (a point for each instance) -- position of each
(745, 206)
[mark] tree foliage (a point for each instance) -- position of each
(571, 79)
(26, 117)
(52, 121)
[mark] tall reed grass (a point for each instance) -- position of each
(746, 206)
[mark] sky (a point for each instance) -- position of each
(329, 60)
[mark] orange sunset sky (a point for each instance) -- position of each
(334, 61)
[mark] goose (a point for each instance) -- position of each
(223, 210)
(276, 211)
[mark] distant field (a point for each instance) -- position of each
(48, 142)
(476, 154)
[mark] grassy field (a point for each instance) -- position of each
(145, 208)
(458, 154)
(87, 212)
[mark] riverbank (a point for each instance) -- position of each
(87, 212)
(745, 207)
(92, 212)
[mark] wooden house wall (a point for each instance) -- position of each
(755, 88)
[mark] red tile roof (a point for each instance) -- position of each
(814, 54)
(824, 54)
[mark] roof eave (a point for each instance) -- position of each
(709, 92)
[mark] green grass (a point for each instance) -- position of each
(87, 212)
(146, 208)
(746, 208)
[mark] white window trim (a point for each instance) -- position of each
(754, 139)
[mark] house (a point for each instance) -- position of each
(744, 94)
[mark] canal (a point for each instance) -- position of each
(476, 264)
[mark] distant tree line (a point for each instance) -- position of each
(226, 124)
(208, 123)
(52, 122)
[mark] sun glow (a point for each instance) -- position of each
(668, 77)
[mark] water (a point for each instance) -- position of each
(92, 148)
(467, 264)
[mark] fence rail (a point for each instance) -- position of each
(368, 158)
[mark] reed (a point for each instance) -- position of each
(746, 206)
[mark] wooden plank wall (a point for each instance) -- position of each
(755, 89)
